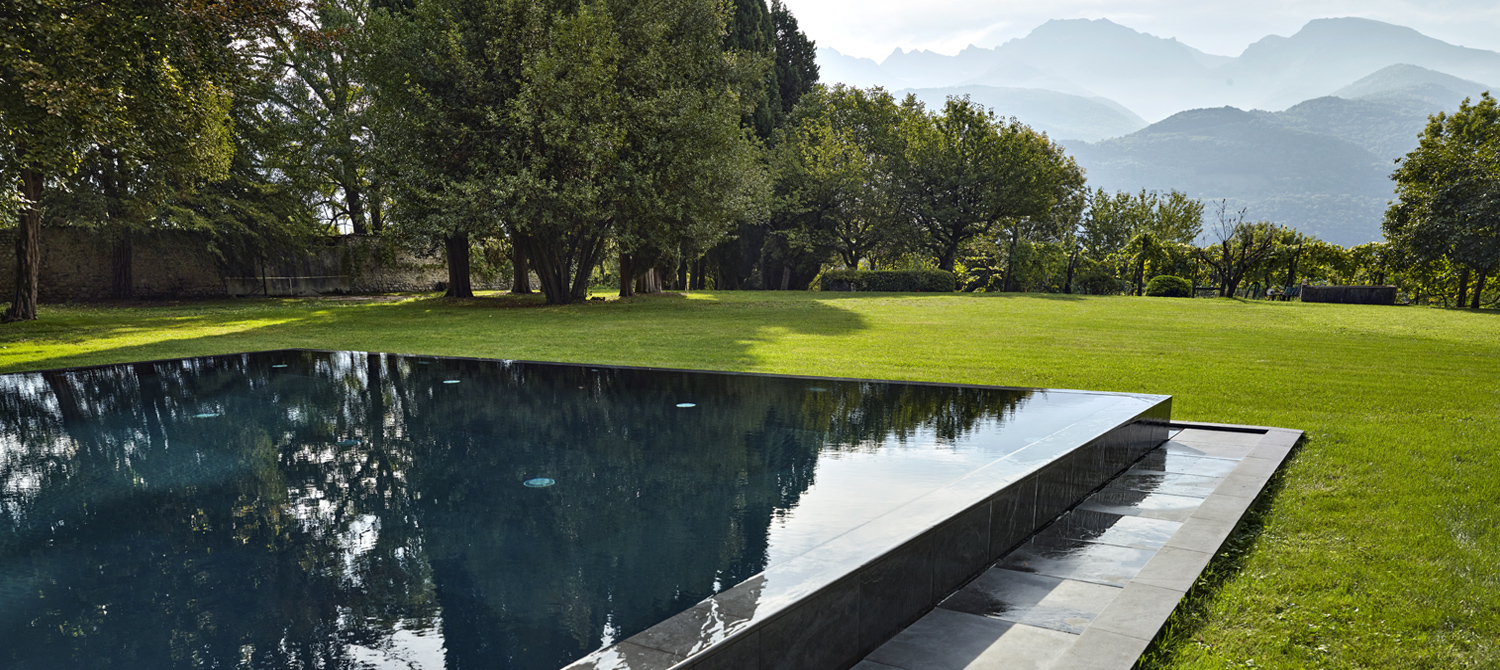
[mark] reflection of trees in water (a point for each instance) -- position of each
(137, 535)
(219, 511)
(862, 414)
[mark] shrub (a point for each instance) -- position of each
(925, 281)
(1167, 286)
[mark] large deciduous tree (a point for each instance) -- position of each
(569, 124)
(314, 119)
(1448, 196)
(445, 75)
(835, 184)
(966, 173)
(142, 82)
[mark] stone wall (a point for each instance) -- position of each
(76, 266)
(177, 264)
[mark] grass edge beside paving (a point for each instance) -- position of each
(1378, 550)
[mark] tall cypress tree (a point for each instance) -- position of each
(750, 31)
(796, 58)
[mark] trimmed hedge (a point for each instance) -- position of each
(920, 281)
(1167, 286)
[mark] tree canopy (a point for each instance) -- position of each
(143, 85)
(1448, 195)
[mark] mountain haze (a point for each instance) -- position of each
(1157, 77)
(1301, 130)
(1060, 115)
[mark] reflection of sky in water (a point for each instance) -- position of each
(361, 510)
(406, 649)
(904, 470)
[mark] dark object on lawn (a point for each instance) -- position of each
(1167, 286)
(1350, 295)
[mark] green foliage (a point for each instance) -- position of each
(1168, 286)
(142, 86)
(966, 173)
(921, 281)
(750, 34)
(834, 170)
(1448, 192)
(313, 126)
(796, 58)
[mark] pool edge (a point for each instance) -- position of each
(845, 614)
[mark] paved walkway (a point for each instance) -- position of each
(1093, 588)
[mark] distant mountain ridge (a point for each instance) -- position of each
(1330, 109)
(1322, 166)
(1060, 115)
(1156, 77)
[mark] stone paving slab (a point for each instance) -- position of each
(1091, 590)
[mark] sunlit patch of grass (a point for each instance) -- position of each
(1379, 548)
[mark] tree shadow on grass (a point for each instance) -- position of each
(1193, 612)
(844, 295)
(656, 330)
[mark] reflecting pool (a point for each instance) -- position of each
(302, 509)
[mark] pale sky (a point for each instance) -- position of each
(873, 28)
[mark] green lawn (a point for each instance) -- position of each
(1380, 547)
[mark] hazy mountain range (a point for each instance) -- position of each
(1346, 97)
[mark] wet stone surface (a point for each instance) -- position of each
(1039, 600)
(1086, 571)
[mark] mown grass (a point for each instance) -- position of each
(1379, 547)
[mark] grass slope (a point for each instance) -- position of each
(1379, 549)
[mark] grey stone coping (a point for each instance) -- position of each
(1093, 589)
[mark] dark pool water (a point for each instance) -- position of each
(349, 510)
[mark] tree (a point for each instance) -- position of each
(1237, 247)
(964, 172)
(796, 58)
(751, 33)
(751, 246)
(444, 74)
(1116, 227)
(1448, 196)
(147, 81)
(628, 131)
(316, 112)
(834, 173)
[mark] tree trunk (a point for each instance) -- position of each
(682, 275)
(122, 267)
(786, 277)
(521, 281)
(945, 260)
(28, 250)
(1478, 289)
(1010, 262)
(377, 216)
(588, 257)
(1463, 287)
(1140, 276)
(627, 276)
(553, 279)
(122, 256)
(1072, 266)
(457, 247)
(354, 200)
